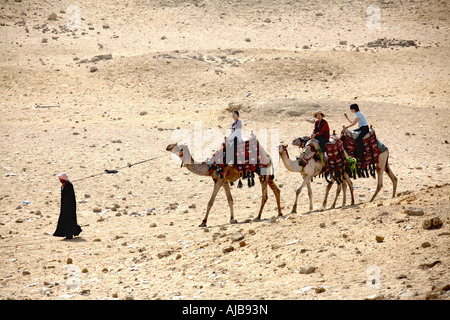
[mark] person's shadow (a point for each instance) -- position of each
(76, 239)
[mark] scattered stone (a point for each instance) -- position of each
(237, 237)
(429, 265)
(374, 297)
(426, 244)
(267, 20)
(52, 16)
(115, 295)
(69, 261)
(273, 220)
(379, 238)
(322, 225)
(434, 223)
(152, 225)
(242, 243)
(247, 40)
(96, 210)
(97, 240)
(251, 231)
(164, 254)
(19, 220)
(44, 40)
(343, 42)
(414, 211)
(192, 206)
(233, 106)
(26, 273)
(85, 270)
(228, 249)
(105, 26)
(308, 269)
(320, 289)
(178, 256)
(87, 195)
(93, 69)
(129, 297)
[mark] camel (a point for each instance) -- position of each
(381, 167)
(230, 175)
(308, 170)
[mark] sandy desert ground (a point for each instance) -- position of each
(169, 66)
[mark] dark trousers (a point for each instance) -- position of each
(359, 140)
(322, 142)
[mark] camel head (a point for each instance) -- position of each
(282, 148)
(301, 141)
(170, 146)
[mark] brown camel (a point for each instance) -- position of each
(230, 174)
(309, 169)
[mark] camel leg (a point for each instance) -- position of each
(350, 186)
(344, 190)
(393, 179)
(226, 187)
(308, 185)
(264, 196)
(276, 192)
(380, 182)
(217, 185)
(327, 190)
(297, 193)
(338, 191)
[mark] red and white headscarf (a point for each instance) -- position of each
(63, 176)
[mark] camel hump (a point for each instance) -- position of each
(354, 134)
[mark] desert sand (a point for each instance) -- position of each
(165, 67)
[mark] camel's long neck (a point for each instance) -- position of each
(291, 165)
(201, 169)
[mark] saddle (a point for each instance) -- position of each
(354, 134)
(248, 157)
(366, 158)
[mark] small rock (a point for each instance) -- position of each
(52, 16)
(93, 69)
(105, 26)
(69, 261)
(129, 297)
(426, 244)
(115, 295)
(379, 238)
(97, 240)
(251, 231)
(267, 20)
(247, 40)
(343, 42)
(308, 269)
(97, 210)
(320, 289)
(164, 254)
(242, 243)
(26, 273)
(152, 225)
(192, 206)
(19, 220)
(85, 270)
(178, 256)
(237, 237)
(374, 297)
(322, 225)
(87, 195)
(228, 249)
(143, 113)
(273, 220)
(414, 211)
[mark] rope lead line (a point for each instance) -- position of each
(115, 170)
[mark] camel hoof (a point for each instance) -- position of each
(202, 225)
(257, 219)
(233, 221)
(280, 214)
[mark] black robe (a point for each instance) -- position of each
(67, 222)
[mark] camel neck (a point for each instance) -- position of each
(291, 165)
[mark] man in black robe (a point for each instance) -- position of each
(67, 222)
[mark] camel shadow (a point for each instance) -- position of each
(76, 239)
